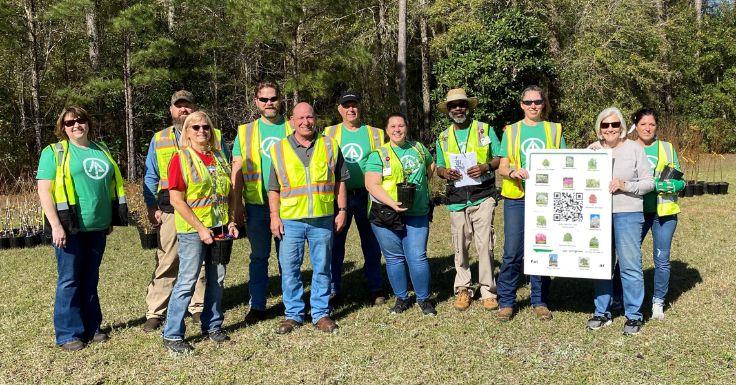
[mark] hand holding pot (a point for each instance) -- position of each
(397, 207)
(205, 235)
(232, 229)
(58, 236)
(154, 216)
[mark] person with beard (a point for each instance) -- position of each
(250, 175)
(164, 145)
(471, 207)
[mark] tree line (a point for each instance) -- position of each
(121, 60)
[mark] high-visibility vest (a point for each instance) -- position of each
(391, 161)
(306, 192)
(62, 186)
(666, 202)
(375, 135)
(477, 136)
(165, 145)
(512, 188)
(250, 145)
(206, 194)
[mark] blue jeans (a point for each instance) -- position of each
(358, 208)
(317, 232)
(258, 227)
(513, 259)
(77, 313)
(406, 249)
(663, 229)
(627, 229)
(191, 256)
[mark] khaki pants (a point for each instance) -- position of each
(476, 223)
(167, 269)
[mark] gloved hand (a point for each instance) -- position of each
(665, 186)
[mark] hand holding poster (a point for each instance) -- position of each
(567, 217)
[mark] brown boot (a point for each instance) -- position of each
(505, 313)
(151, 324)
(490, 303)
(326, 324)
(287, 326)
(462, 300)
(542, 313)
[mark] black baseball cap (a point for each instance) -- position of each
(348, 96)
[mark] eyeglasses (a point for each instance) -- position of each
(612, 125)
(272, 99)
(70, 123)
(453, 105)
(197, 127)
(537, 102)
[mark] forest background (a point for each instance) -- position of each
(122, 59)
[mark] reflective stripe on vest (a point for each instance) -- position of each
(666, 202)
(165, 146)
(306, 192)
(205, 195)
(375, 135)
(513, 188)
(250, 145)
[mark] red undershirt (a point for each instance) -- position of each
(176, 179)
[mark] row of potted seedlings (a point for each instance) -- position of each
(715, 186)
(22, 227)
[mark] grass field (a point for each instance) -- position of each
(695, 344)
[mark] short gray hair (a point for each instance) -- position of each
(605, 114)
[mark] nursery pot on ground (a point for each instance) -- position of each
(17, 241)
(723, 188)
(711, 187)
(4, 241)
(405, 194)
(700, 187)
(690, 189)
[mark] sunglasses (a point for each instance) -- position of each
(197, 127)
(537, 102)
(454, 105)
(70, 123)
(612, 125)
(272, 99)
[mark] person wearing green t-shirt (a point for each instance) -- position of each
(532, 132)
(251, 165)
(77, 182)
(660, 205)
(402, 232)
(472, 206)
(356, 141)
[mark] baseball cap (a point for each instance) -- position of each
(182, 95)
(348, 96)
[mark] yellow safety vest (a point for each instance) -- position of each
(513, 188)
(666, 202)
(206, 194)
(391, 161)
(62, 186)
(165, 146)
(306, 192)
(250, 145)
(476, 137)
(375, 135)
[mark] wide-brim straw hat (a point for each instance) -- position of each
(457, 94)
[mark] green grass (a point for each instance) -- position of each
(695, 344)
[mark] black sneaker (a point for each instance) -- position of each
(218, 336)
(427, 307)
(400, 306)
(632, 327)
(598, 322)
(178, 347)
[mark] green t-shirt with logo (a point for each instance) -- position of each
(652, 151)
(92, 174)
(269, 135)
(410, 160)
(532, 137)
(355, 147)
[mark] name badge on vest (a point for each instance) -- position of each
(212, 169)
(485, 141)
(387, 171)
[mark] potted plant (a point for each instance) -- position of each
(147, 232)
(406, 190)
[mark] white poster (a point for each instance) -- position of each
(567, 216)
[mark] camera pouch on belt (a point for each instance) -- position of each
(119, 213)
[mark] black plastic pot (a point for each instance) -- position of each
(681, 193)
(711, 187)
(46, 239)
(723, 188)
(405, 194)
(17, 242)
(29, 241)
(689, 189)
(4, 242)
(148, 240)
(219, 251)
(700, 187)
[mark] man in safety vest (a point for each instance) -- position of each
(163, 146)
(471, 206)
(251, 165)
(308, 175)
(356, 141)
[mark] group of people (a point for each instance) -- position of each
(293, 183)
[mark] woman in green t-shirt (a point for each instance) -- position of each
(77, 182)
(402, 232)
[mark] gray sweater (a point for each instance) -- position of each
(630, 164)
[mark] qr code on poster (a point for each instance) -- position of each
(568, 207)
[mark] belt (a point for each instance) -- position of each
(358, 192)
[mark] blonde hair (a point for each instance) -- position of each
(189, 121)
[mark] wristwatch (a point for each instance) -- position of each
(342, 209)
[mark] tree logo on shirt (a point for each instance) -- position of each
(652, 161)
(266, 145)
(352, 152)
(531, 144)
(95, 168)
(410, 164)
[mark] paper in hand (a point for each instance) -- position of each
(461, 163)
